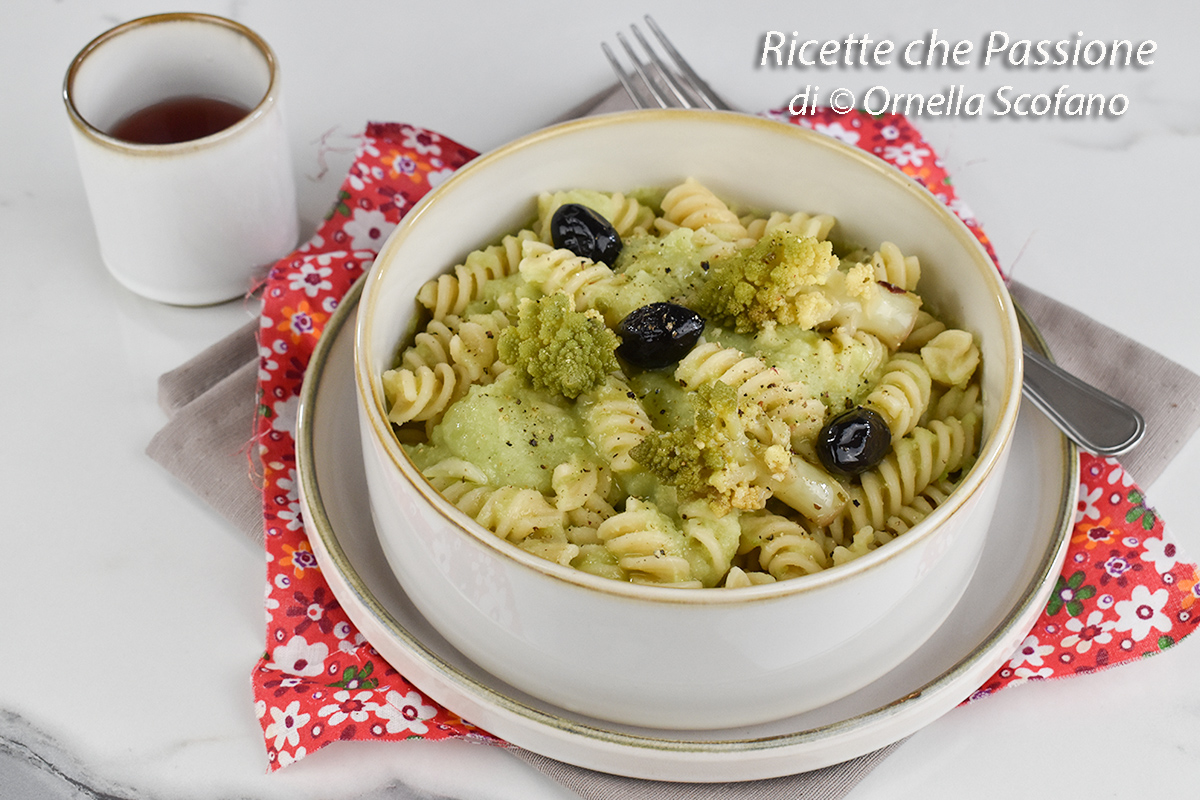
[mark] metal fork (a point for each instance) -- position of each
(1096, 421)
(669, 86)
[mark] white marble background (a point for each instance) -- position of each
(133, 613)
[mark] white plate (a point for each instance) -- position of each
(1022, 559)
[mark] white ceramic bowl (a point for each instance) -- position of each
(655, 656)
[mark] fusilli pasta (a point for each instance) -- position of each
(706, 473)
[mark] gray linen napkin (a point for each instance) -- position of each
(211, 404)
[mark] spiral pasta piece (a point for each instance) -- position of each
(709, 246)
(924, 329)
(450, 294)
(626, 214)
(693, 205)
(864, 541)
(647, 545)
(454, 472)
(444, 360)
(815, 226)
(577, 481)
(921, 507)
(473, 348)
(615, 422)
(739, 578)
(785, 549)
(420, 394)
(925, 455)
(515, 514)
(596, 559)
(522, 516)
(892, 266)
(711, 540)
(902, 394)
(430, 347)
(551, 548)
(583, 521)
(759, 387)
(559, 270)
(952, 401)
(951, 357)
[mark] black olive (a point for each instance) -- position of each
(659, 334)
(854, 441)
(585, 233)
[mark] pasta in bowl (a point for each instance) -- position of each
(624, 533)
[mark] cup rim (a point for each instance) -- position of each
(269, 97)
(992, 448)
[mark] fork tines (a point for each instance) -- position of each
(654, 83)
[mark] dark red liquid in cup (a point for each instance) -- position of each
(178, 119)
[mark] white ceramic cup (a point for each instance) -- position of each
(190, 223)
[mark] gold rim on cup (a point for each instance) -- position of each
(100, 136)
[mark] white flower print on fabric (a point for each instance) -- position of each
(349, 640)
(361, 175)
(285, 411)
(1162, 554)
(1096, 630)
(266, 364)
(1025, 674)
(905, 154)
(836, 130)
(368, 229)
(961, 210)
(1143, 612)
(406, 712)
(438, 176)
(292, 516)
(357, 707)
(890, 132)
(312, 278)
(269, 603)
(285, 724)
(1085, 508)
(289, 486)
(423, 141)
(1118, 473)
(350, 646)
(1030, 652)
(286, 758)
(298, 657)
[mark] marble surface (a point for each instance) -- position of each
(134, 613)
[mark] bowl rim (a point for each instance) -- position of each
(369, 391)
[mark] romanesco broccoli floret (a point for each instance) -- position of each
(770, 282)
(560, 349)
(694, 459)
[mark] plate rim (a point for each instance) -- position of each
(575, 735)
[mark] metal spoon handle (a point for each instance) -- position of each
(1097, 422)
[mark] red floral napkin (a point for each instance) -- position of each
(1124, 592)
